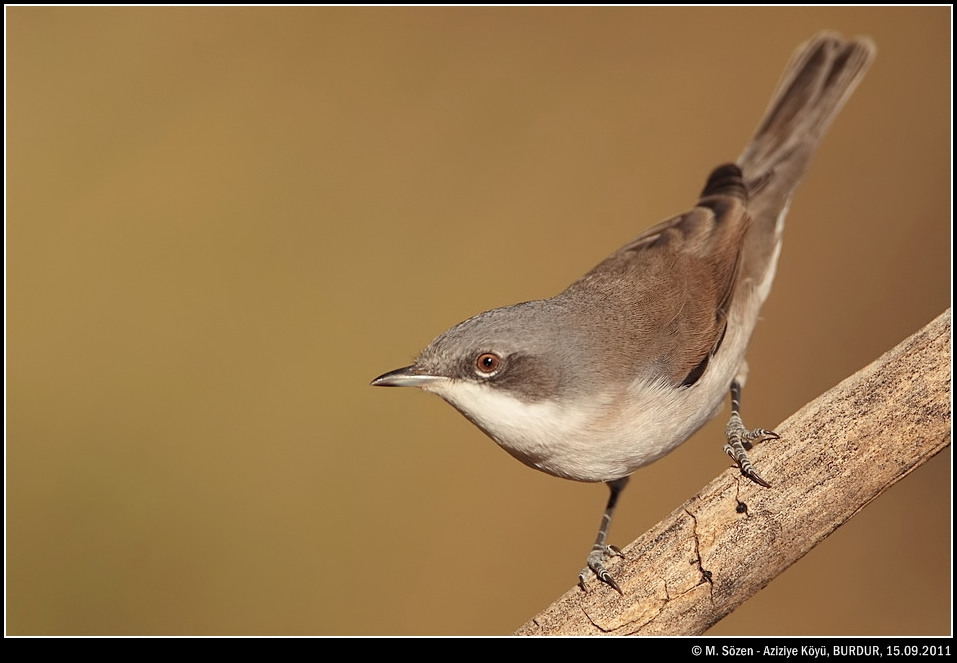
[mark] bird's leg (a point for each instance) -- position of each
(601, 552)
(740, 439)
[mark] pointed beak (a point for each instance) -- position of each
(406, 377)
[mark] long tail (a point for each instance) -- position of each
(818, 80)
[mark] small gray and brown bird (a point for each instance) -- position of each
(634, 357)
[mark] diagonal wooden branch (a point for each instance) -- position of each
(836, 455)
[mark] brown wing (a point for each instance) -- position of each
(671, 286)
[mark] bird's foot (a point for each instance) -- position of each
(599, 555)
(740, 439)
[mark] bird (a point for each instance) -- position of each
(630, 360)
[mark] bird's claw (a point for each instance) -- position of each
(740, 439)
(596, 564)
(754, 476)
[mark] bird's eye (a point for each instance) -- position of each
(487, 364)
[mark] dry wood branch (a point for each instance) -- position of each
(835, 456)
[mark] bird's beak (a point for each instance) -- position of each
(406, 377)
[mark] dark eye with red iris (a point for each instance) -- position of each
(487, 363)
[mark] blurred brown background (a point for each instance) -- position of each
(223, 223)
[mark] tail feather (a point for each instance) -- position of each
(818, 80)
